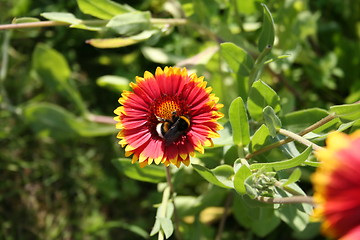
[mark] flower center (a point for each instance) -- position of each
(167, 109)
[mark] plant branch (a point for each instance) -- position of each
(229, 199)
(170, 21)
(101, 119)
(299, 138)
(176, 218)
(287, 140)
(286, 200)
(32, 25)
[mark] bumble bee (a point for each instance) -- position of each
(170, 131)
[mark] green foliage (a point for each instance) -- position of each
(283, 65)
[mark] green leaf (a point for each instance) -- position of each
(219, 176)
(130, 23)
(103, 9)
(271, 120)
(25, 20)
(121, 42)
(294, 177)
(267, 34)
(73, 21)
(260, 138)
(260, 96)
(286, 164)
(347, 112)
(261, 220)
(299, 120)
(115, 83)
(61, 17)
(51, 67)
(166, 226)
(159, 55)
(49, 120)
(239, 122)
(241, 64)
(240, 177)
(151, 173)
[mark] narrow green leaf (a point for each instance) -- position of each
(61, 17)
(237, 58)
(49, 120)
(240, 177)
(267, 34)
(241, 64)
(121, 42)
(347, 112)
(130, 23)
(219, 177)
(260, 138)
(260, 96)
(299, 120)
(25, 20)
(239, 122)
(103, 9)
(52, 68)
(73, 21)
(261, 220)
(294, 177)
(271, 120)
(286, 164)
(151, 173)
(115, 83)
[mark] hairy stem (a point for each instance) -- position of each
(176, 218)
(286, 200)
(169, 21)
(299, 138)
(287, 140)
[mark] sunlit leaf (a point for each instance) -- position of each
(240, 177)
(130, 23)
(115, 83)
(219, 176)
(260, 96)
(271, 120)
(267, 34)
(294, 177)
(260, 138)
(151, 173)
(103, 9)
(121, 42)
(239, 122)
(347, 112)
(286, 164)
(241, 64)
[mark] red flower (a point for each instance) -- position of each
(167, 117)
(337, 186)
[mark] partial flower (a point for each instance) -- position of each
(167, 117)
(337, 186)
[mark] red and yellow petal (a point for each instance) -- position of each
(337, 186)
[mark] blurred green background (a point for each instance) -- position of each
(57, 179)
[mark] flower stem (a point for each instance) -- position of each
(286, 200)
(298, 138)
(176, 218)
(287, 140)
